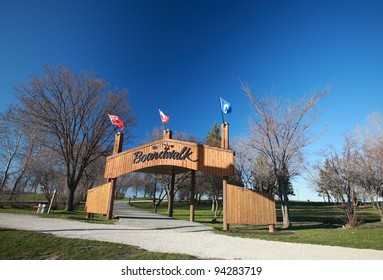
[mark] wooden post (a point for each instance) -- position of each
(225, 145)
(171, 197)
(225, 135)
(118, 141)
(52, 199)
(271, 228)
(167, 134)
(192, 194)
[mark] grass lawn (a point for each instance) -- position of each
(77, 214)
(312, 222)
(26, 245)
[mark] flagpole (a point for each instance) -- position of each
(220, 108)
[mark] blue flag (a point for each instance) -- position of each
(225, 106)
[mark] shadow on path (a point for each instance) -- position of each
(144, 220)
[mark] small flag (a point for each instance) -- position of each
(164, 118)
(116, 121)
(225, 106)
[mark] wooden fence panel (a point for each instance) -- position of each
(248, 207)
(97, 200)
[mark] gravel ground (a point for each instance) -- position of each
(157, 233)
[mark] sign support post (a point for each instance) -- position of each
(171, 196)
(118, 141)
(225, 145)
(192, 196)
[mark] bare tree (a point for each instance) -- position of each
(280, 130)
(16, 151)
(254, 169)
(46, 169)
(25, 157)
(339, 176)
(71, 110)
(9, 147)
(371, 181)
(181, 181)
(93, 176)
(156, 134)
(213, 186)
(244, 161)
(263, 175)
(371, 168)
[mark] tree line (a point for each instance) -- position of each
(353, 174)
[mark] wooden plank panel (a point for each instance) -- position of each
(97, 200)
(247, 207)
(182, 155)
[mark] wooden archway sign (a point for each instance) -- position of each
(168, 156)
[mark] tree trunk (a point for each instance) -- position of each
(15, 186)
(285, 216)
(70, 199)
(171, 197)
(73, 180)
(5, 177)
(283, 195)
(154, 194)
(216, 209)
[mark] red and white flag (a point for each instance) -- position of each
(116, 121)
(164, 118)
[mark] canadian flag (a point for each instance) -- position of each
(164, 118)
(116, 121)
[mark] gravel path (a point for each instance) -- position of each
(157, 233)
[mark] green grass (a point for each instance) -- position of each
(26, 245)
(77, 214)
(312, 223)
(367, 236)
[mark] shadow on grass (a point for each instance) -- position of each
(306, 226)
(249, 232)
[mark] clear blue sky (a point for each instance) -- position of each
(182, 55)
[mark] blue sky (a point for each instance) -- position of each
(182, 55)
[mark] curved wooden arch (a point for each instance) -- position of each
(170, 156)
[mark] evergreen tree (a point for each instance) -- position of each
(213, 137)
